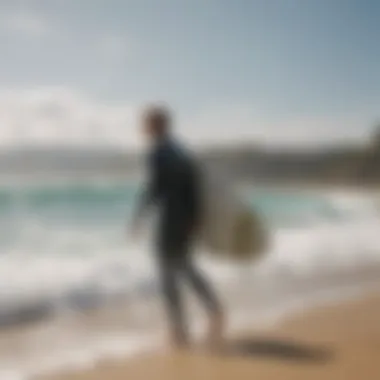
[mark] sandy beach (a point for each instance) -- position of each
(335, 342)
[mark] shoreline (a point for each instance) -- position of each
(83, 342)
(329, 342)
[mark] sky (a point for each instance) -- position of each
(276, 72)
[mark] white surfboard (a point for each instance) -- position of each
(230, 228)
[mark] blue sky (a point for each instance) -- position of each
(277, 71)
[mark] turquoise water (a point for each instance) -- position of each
(32, 215)
(281, 208)
(61, 219)
(81, 203)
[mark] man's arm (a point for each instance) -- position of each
(195, 199)
(153, 190)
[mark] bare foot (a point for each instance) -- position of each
(179, 344)
(215, 335)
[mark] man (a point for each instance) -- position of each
(174, 187)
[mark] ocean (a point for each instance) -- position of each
(75, 289)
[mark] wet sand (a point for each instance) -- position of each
(340, 342)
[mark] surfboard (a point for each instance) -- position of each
(230, 227)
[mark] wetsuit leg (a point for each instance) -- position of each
(170, 283)
(175, 251)
(201, 286)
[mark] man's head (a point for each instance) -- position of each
(156, 123)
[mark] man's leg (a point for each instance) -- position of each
(208, 298)
(170, 287)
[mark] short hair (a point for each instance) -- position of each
(158, 116)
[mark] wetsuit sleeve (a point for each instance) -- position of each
(153, 190)
(195, 197)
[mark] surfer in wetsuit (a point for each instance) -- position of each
(174, 187)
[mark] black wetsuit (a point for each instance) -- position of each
(175, 188)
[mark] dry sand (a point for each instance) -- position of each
(340, 342)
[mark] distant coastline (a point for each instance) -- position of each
(347, 165)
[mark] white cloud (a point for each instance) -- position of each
(24, 22)
(64, 116)
(244, 124)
